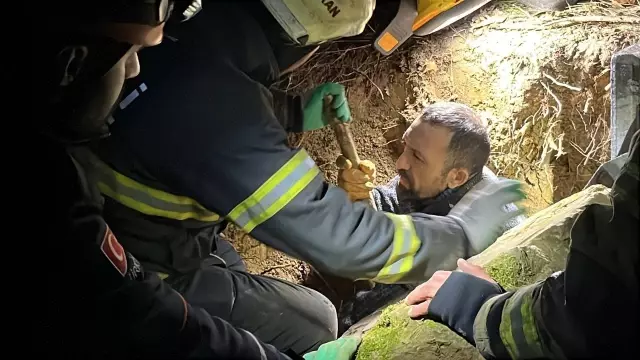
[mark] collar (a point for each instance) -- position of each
(447, 199)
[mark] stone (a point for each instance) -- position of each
(525, 254)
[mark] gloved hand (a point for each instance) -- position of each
(357, 182)
(313, 113)
(341, 349)
(482, 214)
(454, 298)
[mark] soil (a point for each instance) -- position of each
(263, 260)
(539, 79)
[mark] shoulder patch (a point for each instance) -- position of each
(112, 249)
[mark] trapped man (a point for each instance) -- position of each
(442, 166)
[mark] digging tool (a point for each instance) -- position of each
(344, 137)
(423, 17)
(349, 151)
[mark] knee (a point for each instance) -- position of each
(326, 318)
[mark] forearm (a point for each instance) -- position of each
(322, 226)
(510, 326)
(566, 316)
(528, 323)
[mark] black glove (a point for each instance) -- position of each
(458, 301)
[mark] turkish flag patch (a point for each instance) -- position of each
(112, 249)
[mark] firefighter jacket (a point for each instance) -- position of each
(196, 143)
(99, 302)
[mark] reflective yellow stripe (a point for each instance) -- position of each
(480, 331)
(518, 329)
(275, 193)
(147, 209)
(140, 197)
(405, 246)
(529, 327)
(506, 334)
(162, 276)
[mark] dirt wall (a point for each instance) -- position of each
(539, 79)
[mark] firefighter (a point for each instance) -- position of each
(196, 143)
(589, 310)
(99, 301)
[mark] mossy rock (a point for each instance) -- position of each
(396, 336)
(526, 254)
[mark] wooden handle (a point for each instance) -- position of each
(343, 133)
(345, 139)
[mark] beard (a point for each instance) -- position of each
(409, 198)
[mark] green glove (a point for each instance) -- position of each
(314, 108)
(341, 349)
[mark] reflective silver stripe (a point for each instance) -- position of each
(117, 187)
(275, 193)
(405, 249)
(128, 99)
(405, 246)
(140, 197)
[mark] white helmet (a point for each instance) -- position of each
(314, 21)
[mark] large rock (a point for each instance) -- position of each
(523, 255)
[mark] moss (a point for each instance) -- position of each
(510, 272)
(379, 341)
(394, 335)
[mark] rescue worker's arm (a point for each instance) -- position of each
(224, 148)
(557, 318)
(500, 324)
(298, 113)
(587, 311)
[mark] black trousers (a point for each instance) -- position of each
(283, 314)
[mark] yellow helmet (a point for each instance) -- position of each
(314, 21)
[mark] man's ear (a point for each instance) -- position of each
(457, 177)
(70, 61)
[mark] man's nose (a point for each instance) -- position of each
(402, 163)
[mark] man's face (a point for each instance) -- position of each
(89, 102)
(423, 160)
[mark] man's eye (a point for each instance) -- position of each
(415, 155)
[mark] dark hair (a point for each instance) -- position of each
(469, 147)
